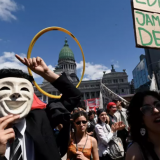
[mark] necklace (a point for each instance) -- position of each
(84, 145)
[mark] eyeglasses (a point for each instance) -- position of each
(114, 107)
(79, 122)
(148, 109)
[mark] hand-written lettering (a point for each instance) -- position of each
(149, 3)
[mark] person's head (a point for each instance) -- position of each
(117, 101)
(75, 110)
(16, 92)
(80, 120)
(102, 116)
(144, 112)
(111, 108)
(91, 115)
(81, 105)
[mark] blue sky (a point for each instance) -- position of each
(104, 29)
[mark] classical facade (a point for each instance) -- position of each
(116, 81)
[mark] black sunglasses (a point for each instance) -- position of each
(79, 122)
(148, 109)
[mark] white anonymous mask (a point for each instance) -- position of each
(16, 96)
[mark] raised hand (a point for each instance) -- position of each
(117, 126)
(121, 125)
(6, 133)
(38, 66)
(114, 127)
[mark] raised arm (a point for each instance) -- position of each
(70, 95)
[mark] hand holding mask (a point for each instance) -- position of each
(6, 134)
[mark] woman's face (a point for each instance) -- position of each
(91, 117)
(81, 124)
(151, 118)
(103, 116)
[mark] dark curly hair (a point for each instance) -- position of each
(135, 116)
(17, 73)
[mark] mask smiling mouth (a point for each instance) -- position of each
(14, 104)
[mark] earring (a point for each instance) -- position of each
(143, 131)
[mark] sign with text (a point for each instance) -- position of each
(147, 27)
(147, 5)
(92, 103)
(147, 24)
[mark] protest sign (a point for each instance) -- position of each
(92, 103)
(147, 5)
(147, 23)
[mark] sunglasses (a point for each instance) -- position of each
(148, 109)
(79, 122)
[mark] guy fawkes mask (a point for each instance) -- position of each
(16, 96)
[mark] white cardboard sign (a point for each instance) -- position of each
(147, 23)
(147, 27)
(147, 5)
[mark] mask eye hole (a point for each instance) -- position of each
(24, 89)
(4, 88)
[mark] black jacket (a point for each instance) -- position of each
(40, 123)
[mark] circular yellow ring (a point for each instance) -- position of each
(30, 50)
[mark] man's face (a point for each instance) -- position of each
(16, 96)
(113, 109)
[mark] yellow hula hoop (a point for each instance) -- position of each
(30, 50)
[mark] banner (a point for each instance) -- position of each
(147, 23)
(92, 104)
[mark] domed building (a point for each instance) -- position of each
(115, 81)
(66, 63)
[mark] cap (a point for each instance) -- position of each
(110, 104)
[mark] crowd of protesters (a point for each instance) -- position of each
(92, 131)
(136, 125)
(114, 132)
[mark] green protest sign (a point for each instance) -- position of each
(147, 24)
